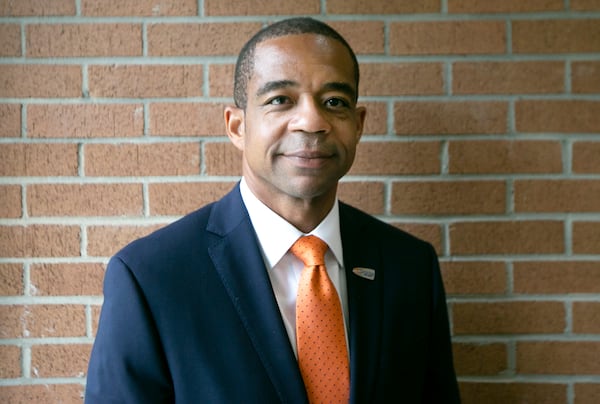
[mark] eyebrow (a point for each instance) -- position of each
(332, 86)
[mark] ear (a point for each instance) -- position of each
(234, 124)
(361, 113)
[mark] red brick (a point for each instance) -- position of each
(367, 196)
(568, 116)
(84, 199)
(145, 8)
(556, 277)
(504, 157)
(587, 393)
(409, 79)
(11, 362)
(145, 81)
(564, 358)
(507, 77)
(394, 158)
(221, 80)
(585, 157)
(69, 279)
(40, 241)
(365, 37)
(105, 241)
(585, 77)
(38, 159)
(12, 321)
(207, 39)
(10, 201)
(586, 317)
(43, 321)
(586, 237)
(258, 7)
(382, 7)
(85, 120)
(497, 237)
(431, 233)
(81, 40)
(222, 159)
(447, 37)
(480, 359)
(508, 318)
(507, 6)
(186, 119)
(448, 198)
(68, 360)
(585, 5)
(445, 118)
(474, 278)
(11, 279)
(10, 40)
(37, 8)
(557, 196)
(42, 393)
(556, 36)
(131, 160)
(182, 198)
(42, 81)
(514, 392)
(10, 120)
(96, 310)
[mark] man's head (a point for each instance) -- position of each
(244, 67)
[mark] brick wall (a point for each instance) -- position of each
(483, 137)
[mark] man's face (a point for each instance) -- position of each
(301, 126)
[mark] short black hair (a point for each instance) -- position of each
(292, 26)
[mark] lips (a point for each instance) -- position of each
(309, 158)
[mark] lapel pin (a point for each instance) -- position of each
(366, 273)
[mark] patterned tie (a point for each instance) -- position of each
(320, 335)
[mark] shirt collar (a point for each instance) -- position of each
(276, 235)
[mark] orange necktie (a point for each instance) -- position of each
(320, 335)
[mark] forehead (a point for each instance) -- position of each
(302, 57)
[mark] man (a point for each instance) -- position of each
(204, 310)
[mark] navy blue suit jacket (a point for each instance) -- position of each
(189, 316)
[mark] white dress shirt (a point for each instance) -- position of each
(275, 237)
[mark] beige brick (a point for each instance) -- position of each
(564, 116)
(10, 120)
(145, 81)
(38, 159)
(84, 200)
(10, 40)
(409, 79)
(556, 277)
(508, 318)
(504, 157)
(58, 320)
(43, 81)
(382, 7)
(13, 320)
(222, 159)
(260, 7)
(65, 360)
(144, 8)
(365, 37)
(37, 8)
(367, 196)
(447, 37)
(206, 39)
(187, 119)
(474, 278)
(499, 237)
(557, 196)
(40, 241)
(69, 279)
(389, 158)
(556, 36)
(182, 198)
(445, 118)
(106, 241)
(507, 6)
(10, 201)
(83, 40)
(156, 159)
(376, 121)
(507, 77)
(85, 120)
(11, 362)
(221, 80)
(560, 357)
(448, 198)
(11, 279)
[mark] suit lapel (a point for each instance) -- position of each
(237, 258)
(364, 304)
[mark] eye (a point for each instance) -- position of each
(278, 100)
(336, 103)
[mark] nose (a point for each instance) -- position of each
(310, 116)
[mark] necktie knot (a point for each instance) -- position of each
(310, 250)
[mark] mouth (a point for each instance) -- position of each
(309, 158)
